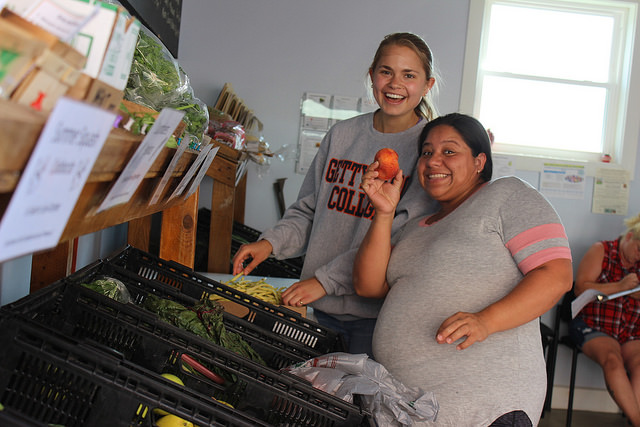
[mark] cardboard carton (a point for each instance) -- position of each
(107, 36)
(242, 311)
(98, 59)
(18, 52)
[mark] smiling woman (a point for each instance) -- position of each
(332, 214)
(468, 329)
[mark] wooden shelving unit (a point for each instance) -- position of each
(19, 128)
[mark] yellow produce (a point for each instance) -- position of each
(259, 289)
(175, 379)
(171, 420)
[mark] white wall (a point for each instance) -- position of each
(272, 52)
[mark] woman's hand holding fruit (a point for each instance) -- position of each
(384, 195)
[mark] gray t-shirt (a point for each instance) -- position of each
(332, 214)
(466, 261)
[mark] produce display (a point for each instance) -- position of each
(387, 159)
(256, 288)
(204, 320)
(156, 81)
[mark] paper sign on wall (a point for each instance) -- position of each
(563, 180)
(57, 170)
(611, 192)
(318, 112)
(143, 158)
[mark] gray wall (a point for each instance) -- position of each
(274, 51)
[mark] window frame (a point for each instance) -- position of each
(628, 131)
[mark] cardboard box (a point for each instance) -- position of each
(107, 36)
(51, 73)
(19, 52)
(57, 72)
(242, 311)
(96, 92)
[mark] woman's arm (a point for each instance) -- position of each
(591, 267)
(538, 291)
(372, 259)
(370, 266)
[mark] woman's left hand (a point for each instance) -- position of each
(384, 195)
(469, 326)
(303, 292)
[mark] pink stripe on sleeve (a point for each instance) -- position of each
(539, 258)
(534, 235)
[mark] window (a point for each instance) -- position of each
(555, 79)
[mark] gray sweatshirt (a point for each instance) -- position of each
(332, 214)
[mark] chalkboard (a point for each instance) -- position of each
(160, 16)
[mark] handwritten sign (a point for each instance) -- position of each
(193, 169)
(143, 158)
(203, 170)
(57, 170)
(169, 172)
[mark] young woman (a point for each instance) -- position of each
(332, 215)
(609, 332)
(464, 287)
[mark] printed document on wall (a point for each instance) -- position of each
(611, 192)
(563, 180)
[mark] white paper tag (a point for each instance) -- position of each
(51, 183)
(149, 149)
(203, 170)
(167, 174)
(191, 172)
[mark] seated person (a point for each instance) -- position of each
(608, 332)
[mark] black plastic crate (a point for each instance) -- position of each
(180, 281)
(147, 342)
(48, 378)
(241, 233)
(277, 350)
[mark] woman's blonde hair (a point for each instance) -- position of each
(426, 108)
(633, 226)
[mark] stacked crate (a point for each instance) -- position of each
(68, 349)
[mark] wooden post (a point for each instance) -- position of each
(221, 227)
(178, 236)
(139, 233)
(51, 265)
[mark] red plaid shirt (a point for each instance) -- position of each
(618, 318)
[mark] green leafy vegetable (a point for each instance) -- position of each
(157, 81)
(110, 287)
(204, 320)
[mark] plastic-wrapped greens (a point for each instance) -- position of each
(156, 81)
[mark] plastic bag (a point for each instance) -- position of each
(390, 402)
(110, 287)
(156, 81)
(223, 128)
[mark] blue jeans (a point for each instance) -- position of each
(357, 334)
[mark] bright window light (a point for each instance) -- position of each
(555, 79)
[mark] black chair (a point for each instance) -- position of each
(565, 317)
(552, 338)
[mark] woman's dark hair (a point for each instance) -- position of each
(426, 108)
(473, 134)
